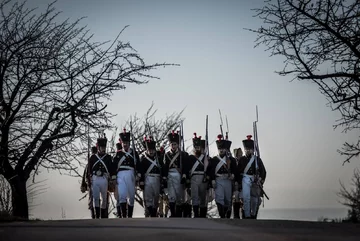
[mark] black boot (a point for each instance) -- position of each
(118, 210)
(228, 212)
(236, 207)
(150, 211)
(196, 211)
(97, 212)
(172, 210)
(123, 210)
(92, 213)
(186, 210)
(242, 214)
(130, 211)
(220, 210)
(104, 213)
(179, 211)
(154, 213)
(203, 212)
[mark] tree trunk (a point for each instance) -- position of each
(19, 202)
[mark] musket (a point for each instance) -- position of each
(257, 151)
(132, 140)
(221, 124)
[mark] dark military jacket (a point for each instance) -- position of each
(244, 160)
(100, 164)
(228, 168)
(124, 161)
(195, 164)
(174, 160)
(148, 165)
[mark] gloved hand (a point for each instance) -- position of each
(206, 179)
(83, 189)
(183, 179)
(164, 182)
(213, 184)
(188, 183)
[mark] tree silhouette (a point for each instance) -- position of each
(319, 41)
(54, 81)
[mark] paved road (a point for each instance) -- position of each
(141, 229)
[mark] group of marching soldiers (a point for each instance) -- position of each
(184, 180)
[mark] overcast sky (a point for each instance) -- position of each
(220, 69)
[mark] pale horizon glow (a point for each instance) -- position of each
(219, 69)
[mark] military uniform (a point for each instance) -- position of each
(86, 185)
(99, 167)
(237, 191)
(251, 168)
(123, 171)
(221, 172)
(196, 172)
(174, 176)
(149, 171)
(116, 191)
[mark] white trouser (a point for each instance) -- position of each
(175, 189)
(126, 186)
(198, 191)
(152, 190)
(223, 191)
(250, 201)
(99, 187)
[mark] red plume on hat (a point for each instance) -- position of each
(124, 130)
(199, 137)
(195, 135)
(173, 132)
(249, 137)
(144, 138)
(219, 137)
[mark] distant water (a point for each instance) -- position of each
(310, 214)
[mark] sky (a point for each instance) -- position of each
(219, 69)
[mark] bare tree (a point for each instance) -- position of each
(34, 189)
(319, 41)
(351, 197)
(54, 81)
(5, 197)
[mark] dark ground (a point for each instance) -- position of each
(174, 229)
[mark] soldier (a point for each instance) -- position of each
(237, 201)
(149, 169)
(221, 171)
(98, 167)
(174, 176)
(86, 185)
(116, 192)
(254, 173)
(124, 168)
(199, 183)
(163, 206)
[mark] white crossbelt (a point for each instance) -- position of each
(197, 163)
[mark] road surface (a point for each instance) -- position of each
(174, 229)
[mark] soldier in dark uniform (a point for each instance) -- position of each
(163, 206)
(124, 168)
(150, 176)
(254, 172)
(196, 172)
(116, 191)
(86, 185)
(221, 171)
(174, 176)
(237, 201)
(99, 167)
